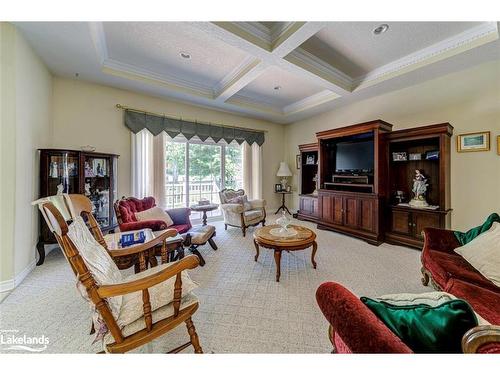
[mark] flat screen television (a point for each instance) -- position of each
(354, 157)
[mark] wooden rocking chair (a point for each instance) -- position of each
(75, 240)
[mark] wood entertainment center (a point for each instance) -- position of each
(361, 201)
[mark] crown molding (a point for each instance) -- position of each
(468, 39)
(310, 102)
(235, 75)
(256, 29)
(278, 30)
(250, 103)
(119, 68)
(315, 65)
(99, 40)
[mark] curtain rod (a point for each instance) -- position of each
(119, 106)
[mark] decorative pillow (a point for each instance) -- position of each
(98, 261)
(432, 299)
(242, 199)
(464, 238)
(160, 294)
(427, 329)
(483, 253)
(154, 213)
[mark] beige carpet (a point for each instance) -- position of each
(242, 309)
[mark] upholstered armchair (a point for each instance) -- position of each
(126, 208)
(240, 212)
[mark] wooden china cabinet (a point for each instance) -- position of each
(78, 172)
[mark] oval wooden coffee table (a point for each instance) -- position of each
(302, 240)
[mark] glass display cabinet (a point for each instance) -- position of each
(78, 172)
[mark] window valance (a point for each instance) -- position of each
(136, 121)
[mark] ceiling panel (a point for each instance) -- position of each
(352, 47)
(293, 88)
(228, 71)
(156, 47)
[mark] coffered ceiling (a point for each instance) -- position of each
(279, 71)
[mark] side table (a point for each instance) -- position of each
(204, 208)
(283, 206)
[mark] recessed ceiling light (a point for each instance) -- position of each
(185, 55)
(277, 88)
(381, 29)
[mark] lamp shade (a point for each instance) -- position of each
(284, 171)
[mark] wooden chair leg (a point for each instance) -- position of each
(193, 336)
(244, 230)
(212, 243)
(195, 251)
(225, 226)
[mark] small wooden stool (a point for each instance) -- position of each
(199, 236)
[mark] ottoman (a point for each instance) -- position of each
(199, 236)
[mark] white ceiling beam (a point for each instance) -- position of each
(241, 38)
(241, 76)
(293, 36)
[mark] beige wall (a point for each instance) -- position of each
(26, 126)
(85, 114)
(7, 154)
(469, 100)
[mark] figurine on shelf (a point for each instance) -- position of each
(89, 172)
(419, 189)
(60, 189)
(99, 170)
(53, 170)
(87, 189)
(315, 179)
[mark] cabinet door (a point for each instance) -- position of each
(338, 210)
(367, 210)
(305, 205)
(351, 210)
(401, 222)
(308, 206)
(423, 220)
(326, 208)
(315, 207)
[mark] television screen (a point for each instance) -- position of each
(354, 156)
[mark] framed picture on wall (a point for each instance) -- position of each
(498, 144)
(471, 142)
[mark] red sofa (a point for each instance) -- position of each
(126, 208)
(356, 329)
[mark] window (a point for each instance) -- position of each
(199, 170)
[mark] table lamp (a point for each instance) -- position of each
(284, 172)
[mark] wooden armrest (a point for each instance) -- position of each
(478, 336)
(189, 262)
(139, 248)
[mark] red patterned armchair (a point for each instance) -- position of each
(126, 208)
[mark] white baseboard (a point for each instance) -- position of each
(18, 279)
(9, 285)
(6, 286)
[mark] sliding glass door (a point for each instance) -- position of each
(199, 170)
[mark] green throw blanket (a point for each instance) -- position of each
(466, 237)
